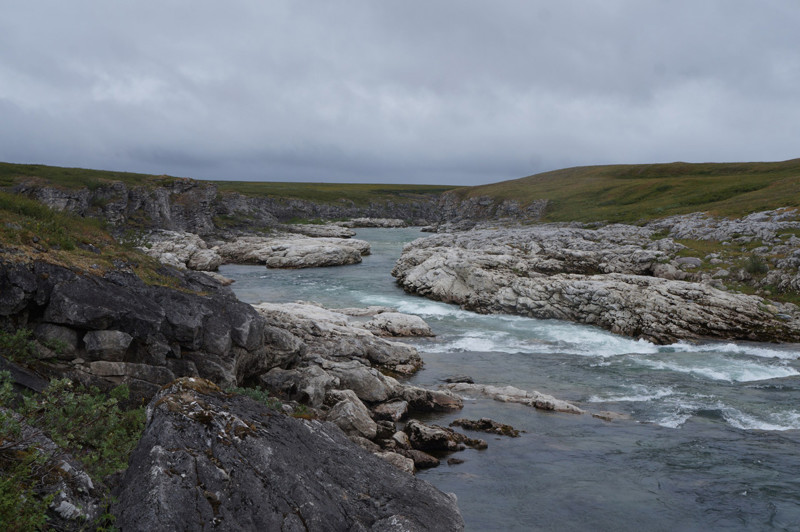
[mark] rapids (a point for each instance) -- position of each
(711, 444)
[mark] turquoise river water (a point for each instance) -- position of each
(712, 443)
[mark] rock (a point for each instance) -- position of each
(485, 424)
(386, 429)
(317, 231)
(401, 438)
(397, 324)
(459, 378)
(107, 345)
(422, 460)
(454, 461)
(294, 251)
(231, 462)
(510, 394)
(76, 499)
(64, 339)
(368, 383)
(306, 385)
(601, 276)
(204, 260)
(330, 335)
(423, 400)
(212, 332)
(391, 411)
(689, 262)
(350, 415)
(610, 416)
(399, 461)
(434, 438)
(182, 250)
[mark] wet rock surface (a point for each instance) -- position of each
(211, 460)
(485, 424)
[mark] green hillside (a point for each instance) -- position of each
(360, 194)
(630, 193)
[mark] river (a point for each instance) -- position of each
(712, 443)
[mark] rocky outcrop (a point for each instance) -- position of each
(293, 252)
(208, 459)
(318, 231)
(199, 207)
(115, 328)
(182, 250)
(397, 324)
(485, 424)
(329, 335)
(187, 250)
(602, 276)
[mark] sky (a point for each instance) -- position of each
(441, 92)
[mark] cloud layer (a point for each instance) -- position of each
(459, 92)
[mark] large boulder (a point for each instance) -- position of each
(209, 459)
(398, 324)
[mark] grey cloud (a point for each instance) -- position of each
(455, 91)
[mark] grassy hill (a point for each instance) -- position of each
(630, 193)
(360, 194)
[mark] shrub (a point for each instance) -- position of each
(86, 423)
(755, 265)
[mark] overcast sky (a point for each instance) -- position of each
(459, 91)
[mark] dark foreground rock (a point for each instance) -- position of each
(114, 328)
(209, 460)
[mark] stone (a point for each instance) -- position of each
(107, 345)
(64, 339)
(294, 251)
(510, 394)
(306, 385)
(612, 276)
(423, 400)
(435, 438)
(207, 458)
(391, 411)
(422, 460)
(459, 378)
(397, 460)
(350, 415)
(485, 424)
(397, 324)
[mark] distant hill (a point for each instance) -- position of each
(630, 193)
(360, 194)
(613, 193)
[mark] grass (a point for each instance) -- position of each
(74, 178)
(359, 194)
(634, 193)
(31, 231)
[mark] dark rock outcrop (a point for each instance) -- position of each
(209, 460)
(116, 328)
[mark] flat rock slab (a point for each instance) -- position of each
(209, 460)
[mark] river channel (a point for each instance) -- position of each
(712, 442)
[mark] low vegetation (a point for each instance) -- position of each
(359, 194)
(85, 425)
(635, 193)
(30, 231)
